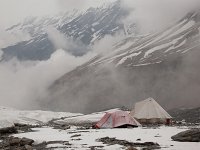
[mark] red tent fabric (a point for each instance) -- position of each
(117, 119)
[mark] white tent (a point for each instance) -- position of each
(149, 111)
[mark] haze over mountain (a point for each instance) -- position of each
(125, 51)
(161, 65)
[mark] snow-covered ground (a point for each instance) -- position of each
(90, 118)
(5, 124)
(35, 117)
(87, 138)
(9, 116)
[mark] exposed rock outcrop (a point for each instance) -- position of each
(13, 143)
(7, 127)
(113, 141)
(192, 135)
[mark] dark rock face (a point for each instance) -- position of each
(12, 143)
(25, 127)
(8, 130)
(39, 49)
(192, 135)
(15, 143)
(26, 141)
(189, 115)
(43, 145)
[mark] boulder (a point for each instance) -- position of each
(28, 147)
(8, 130)
(26, 141)
(7, 127)
(14, 141)
(192, 135)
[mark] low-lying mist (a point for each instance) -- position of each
(154, 15)
(174, 83)
(22, 83)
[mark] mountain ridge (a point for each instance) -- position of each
(86, 27)
(158, 65)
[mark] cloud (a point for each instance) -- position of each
(23, 82)
(12, 11)
(90, 91)
(105, 45)
(72, 46)
(153, 15)
(82, 4)
(8, 39)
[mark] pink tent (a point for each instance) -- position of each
(117, 119)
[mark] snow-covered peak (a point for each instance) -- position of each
(86, 27)
(179, 38)
(37, 25)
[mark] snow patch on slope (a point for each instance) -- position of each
(127, 57)
(184, 28)
(160, 47)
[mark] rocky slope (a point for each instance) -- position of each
(163, 65)
(188, 115)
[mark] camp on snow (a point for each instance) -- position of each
(150, 112)
(118, 119)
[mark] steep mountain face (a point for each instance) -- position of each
(85, 27)
(164, 65)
